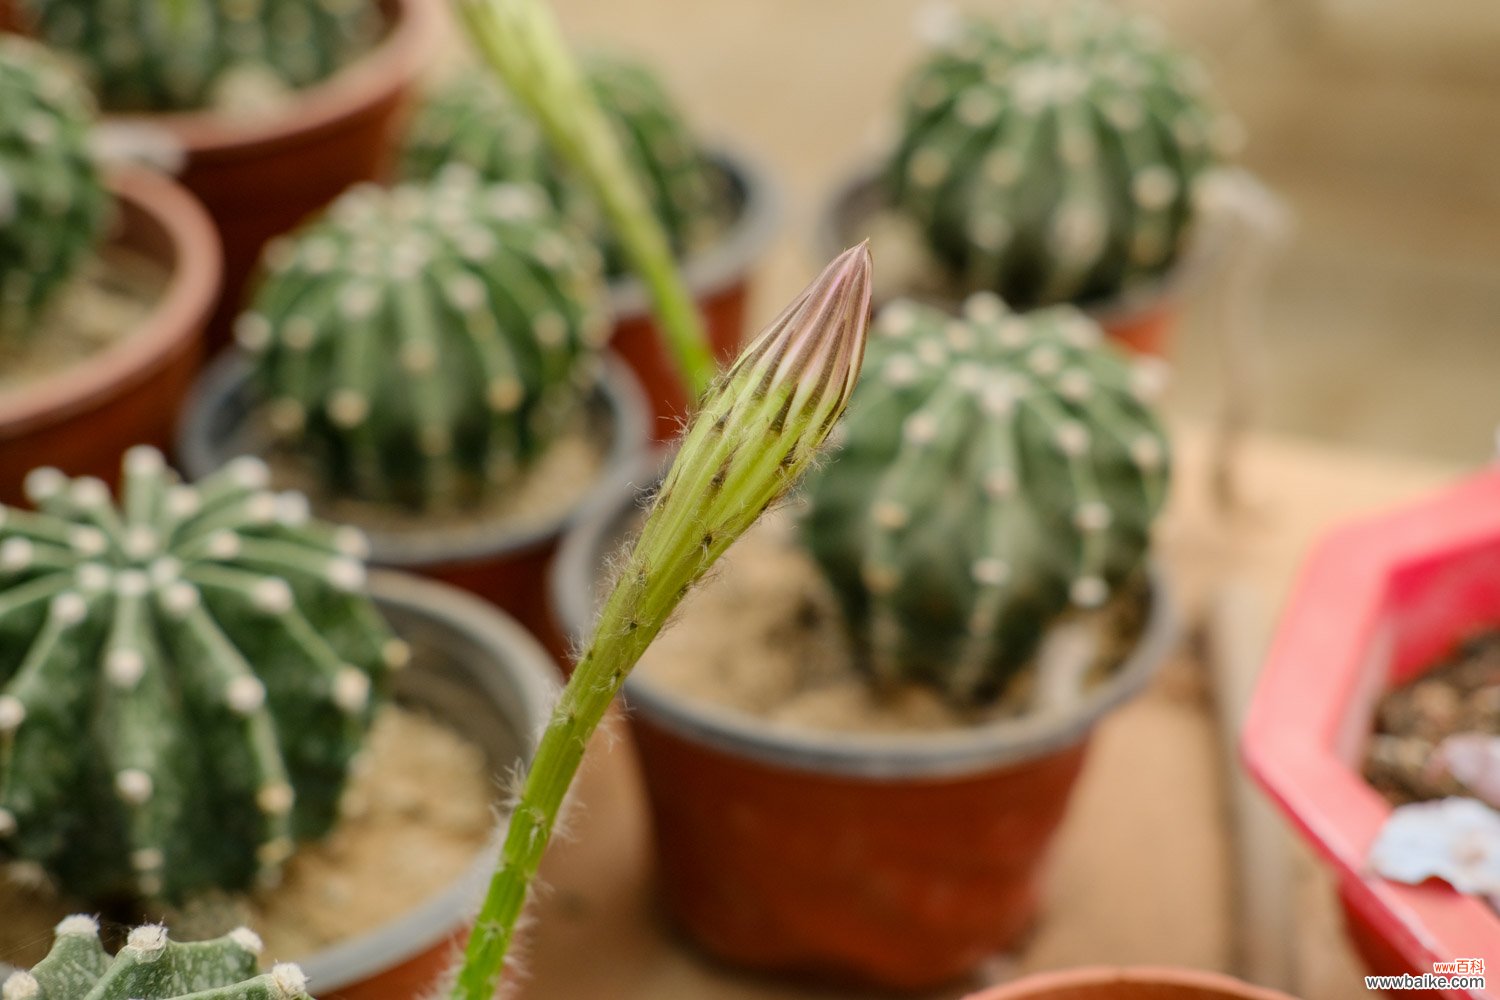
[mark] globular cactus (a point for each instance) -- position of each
(424, 345)
(52, 201)
(1052, 156)
(995, 469)
(473, 120)
(184, 678)
(152, 967)
(165, 55)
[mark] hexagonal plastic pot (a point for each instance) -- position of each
(1379, 601)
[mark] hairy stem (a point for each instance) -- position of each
(522, 44)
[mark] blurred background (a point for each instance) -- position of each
(1376, 121)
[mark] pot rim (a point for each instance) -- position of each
(227, 376)
(1123, 307)
(1305, 726)
(730, 258)
(1044, 984)
(173, 325)
(377, 75)
(871, 757)
(529, 672)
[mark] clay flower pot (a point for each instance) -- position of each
(501, 563)
(1141, 320)
(1378, 603)
(1129, 984)
(719, 279)
(260, 178)
(84, 418)
(900, 862)
(479, 673)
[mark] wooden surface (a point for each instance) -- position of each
(1142, 872)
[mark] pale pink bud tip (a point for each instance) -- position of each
(817, 343)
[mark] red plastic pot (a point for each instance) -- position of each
(259, 179)
(505, 566)
(1379, 602)
(1142, 320)
(1129, 984)
(719, 280)
(901, 862)
(84, 418)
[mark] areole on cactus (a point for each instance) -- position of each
(475, 121)
(150, 966)
(993, 470)
(1053, 154)
(184, 678)
(425, 344)
(163, 55)
(52, 200)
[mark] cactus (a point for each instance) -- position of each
(1053, 156)
(468, 311)
(169, 55)
(475, 121)
(184, 679)
(757, 430)
(995, 469)
(52, 201)
(151, 967)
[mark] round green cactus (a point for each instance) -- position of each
(995, 469)
(166, 55)
(1052, 156)
(468, 311)
(471, 119)
(152, 967)
(184, 678)
(52, 201)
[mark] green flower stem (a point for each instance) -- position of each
(759, 428)
(521, 42)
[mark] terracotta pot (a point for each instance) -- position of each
(901, 862)
(478, 672)
(1141, 320)
(84, 418)
(1379, 602)
(505, 566)
(260, 179)
(719, 280)
(1129, 984)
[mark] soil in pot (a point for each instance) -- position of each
(764, 636)
(416, 813)
(1459, 695)
(110, 298)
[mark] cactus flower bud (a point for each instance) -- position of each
(758, 429)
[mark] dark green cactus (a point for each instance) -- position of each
(473, 120)
(184, 678)
(164, 55)
(469, 311)
(1052, 156)
(995, 469)
(152, 967)
(52, 202)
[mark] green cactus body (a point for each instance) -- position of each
(994, 469)
(52, 202)
(1052, 156)
(473, 120)
(184, 678)
(165, 55)
(469, 311)
(152, 967)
